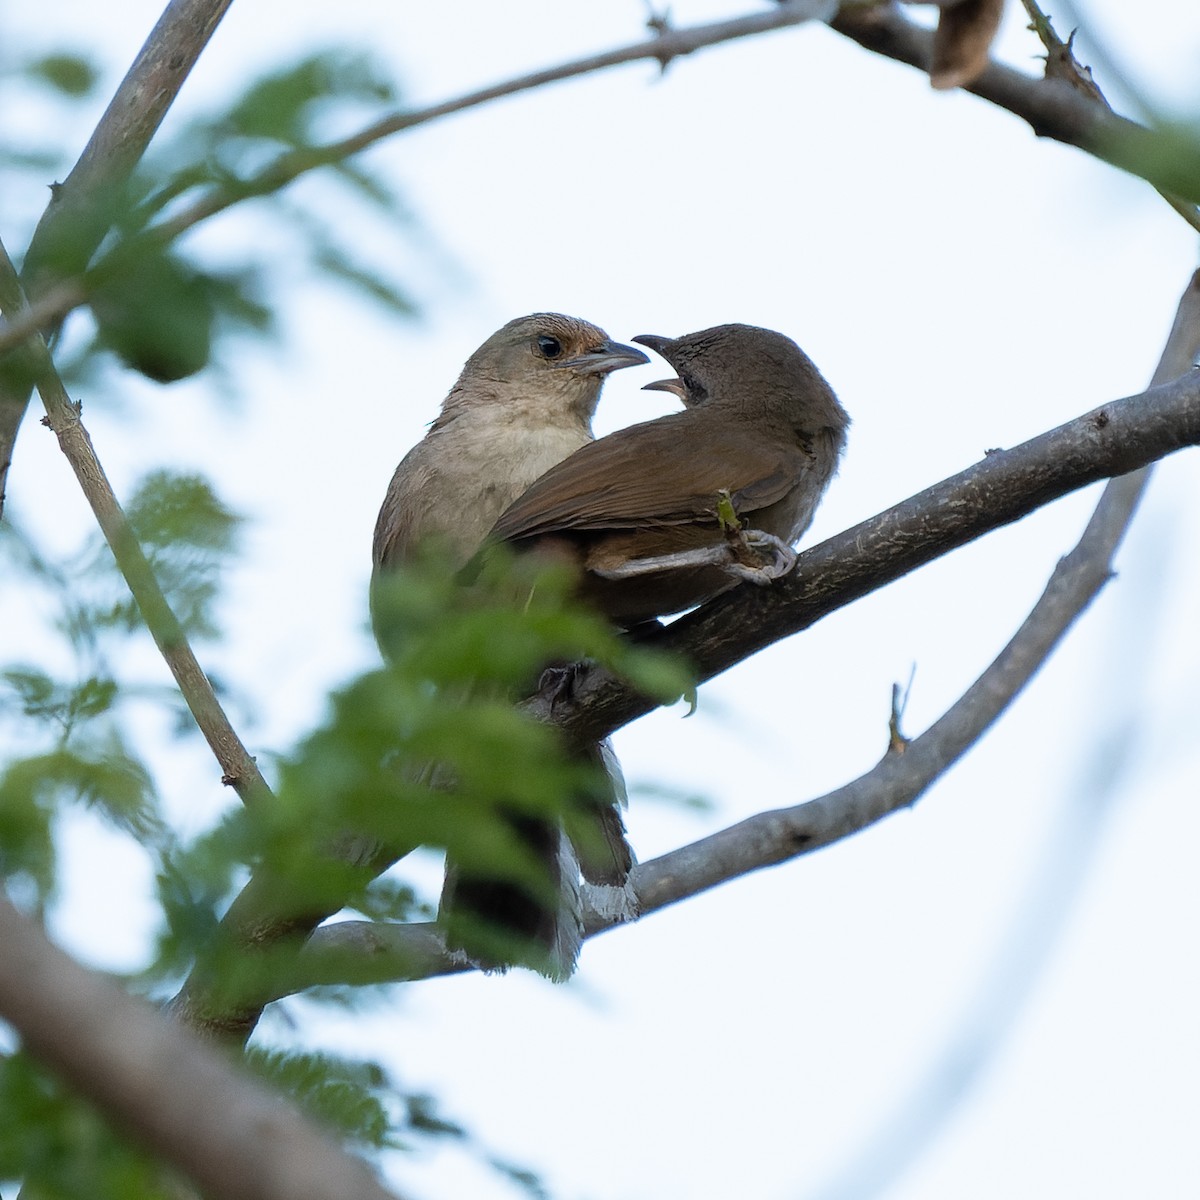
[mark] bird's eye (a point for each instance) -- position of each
(548, 347)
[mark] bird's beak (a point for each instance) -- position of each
(674, 386)
(606, 357)
(658, 344)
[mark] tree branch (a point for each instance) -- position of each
(176, 1094)
(1053, 108)
(238, 766)
(1009, 484)
(80, 209)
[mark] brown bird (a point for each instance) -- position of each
(664, 515)
(524, 401)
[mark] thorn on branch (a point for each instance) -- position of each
(897, 742)
(1061, 62)
(660, 24)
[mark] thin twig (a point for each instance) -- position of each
(180, 1097)
(79, 213)
(239, 768)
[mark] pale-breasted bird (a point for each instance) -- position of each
(523, 402)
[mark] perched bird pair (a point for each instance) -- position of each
(653, 519)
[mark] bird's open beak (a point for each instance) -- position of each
(608, 356)
(658, 344)
(674, 386)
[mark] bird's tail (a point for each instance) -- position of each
(538, 921)
(535, 922)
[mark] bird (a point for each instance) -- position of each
(667, 514)
(524, 401)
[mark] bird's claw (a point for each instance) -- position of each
(558, 682)
(783, 558)
(727, 555)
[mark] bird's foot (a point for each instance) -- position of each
(756, 541)
(702, 556)
(558, 682)
(741, 555)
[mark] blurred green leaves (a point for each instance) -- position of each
(294, 106)
(188, 535)
(71, 74)
(60, 1148)
(101, 774)
(70, 725)
(164, 315)
(433, 750)
(160, 315)
(351, 1098)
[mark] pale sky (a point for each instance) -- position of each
(962, 285)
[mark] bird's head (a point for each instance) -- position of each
(550, 359)
(745, 366)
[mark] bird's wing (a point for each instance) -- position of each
(631, 480)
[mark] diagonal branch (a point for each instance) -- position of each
(238, 766)
(178, 1096)
(80, 209)
(1112, 440)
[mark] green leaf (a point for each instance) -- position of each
(347, 1097)
(365, 279)
(156, 314)
(26, 845)
(187, 533)
(59, 1148)
(71, 74)
(284, 106)
(103, 776)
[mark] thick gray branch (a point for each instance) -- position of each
(178, 1095)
